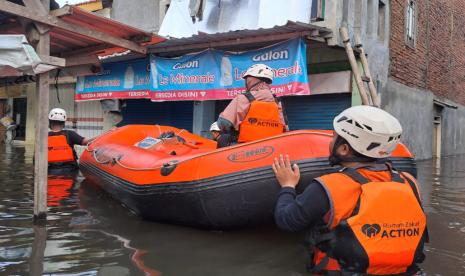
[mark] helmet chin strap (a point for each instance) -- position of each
(334, 158)
(255, 84)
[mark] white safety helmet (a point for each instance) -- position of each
(369, 130)
(57, 114)
(259, 71)
(214, 127)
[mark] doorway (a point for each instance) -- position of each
(19, 116)
(437, 131)
(3, 104)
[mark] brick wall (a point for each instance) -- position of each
(437, 62)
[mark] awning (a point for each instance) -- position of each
(18, 58)
(76, 32)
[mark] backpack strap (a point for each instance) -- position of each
(276, 99)
(355, 175)
(64, 132)
(313, 240)
(413, 186)
(249, 96)
(279, 102)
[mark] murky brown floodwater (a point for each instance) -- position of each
(90, 234)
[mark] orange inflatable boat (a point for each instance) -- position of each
(170, 175)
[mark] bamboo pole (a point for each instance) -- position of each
(353, 65)
(40, 149)
(366, 69)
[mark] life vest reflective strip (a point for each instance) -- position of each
(59, 149)
(376, 223)
(262, 121)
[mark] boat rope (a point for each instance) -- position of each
(94, 153)
(116, 160)
(97, 138)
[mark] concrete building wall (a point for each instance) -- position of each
(143, 14)
(453, 129)
(415, 110)
(332, 19)
(375, 37)
(369, 19)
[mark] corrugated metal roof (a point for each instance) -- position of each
(64, 41)
(241, 37)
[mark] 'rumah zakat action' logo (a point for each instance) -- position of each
(371, 230)
(253, 121)
(392, 230)
(263, 123)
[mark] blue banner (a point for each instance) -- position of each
(214, 74)
(186, 77)
(118, 80)
(208, 75)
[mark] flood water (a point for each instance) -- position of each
(88, 233)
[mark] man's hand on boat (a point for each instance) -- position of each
(288, 175)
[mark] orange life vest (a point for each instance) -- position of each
(59, 150)
(376, 224)
(262, 120)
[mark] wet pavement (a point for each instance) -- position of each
(88, 233)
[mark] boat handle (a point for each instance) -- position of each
(168, 168)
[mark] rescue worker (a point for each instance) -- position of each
(61, 142)
(255, 114)
(366, 218)
(215, 131)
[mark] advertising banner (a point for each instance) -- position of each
(118, 80)
(208, 75)
(212, 74)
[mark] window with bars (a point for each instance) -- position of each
(318, 10)
(381, 20)
(410, 23)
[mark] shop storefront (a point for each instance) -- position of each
(189, 90)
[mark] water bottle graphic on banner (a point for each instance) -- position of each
(154, 72)
(129, 77)
(80, 84)
(226, 72)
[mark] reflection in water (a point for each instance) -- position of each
(88, 233)
(59, 188)
(38, 249)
